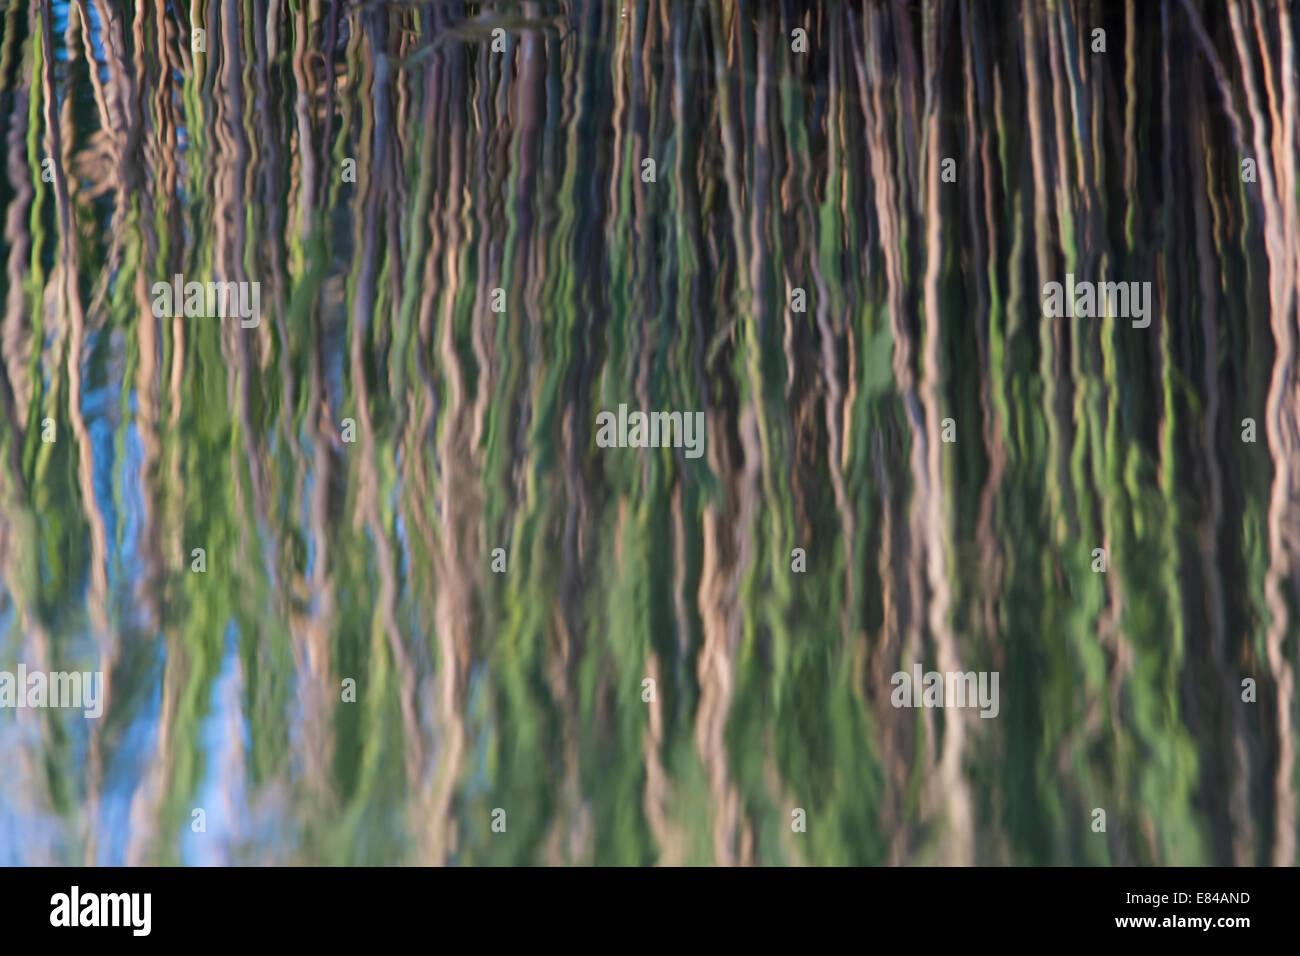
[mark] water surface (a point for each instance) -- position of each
(349, 464)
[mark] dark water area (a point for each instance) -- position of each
(360, 546)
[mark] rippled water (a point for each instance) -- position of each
(350, 672)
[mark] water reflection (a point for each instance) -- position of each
(279, 543)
